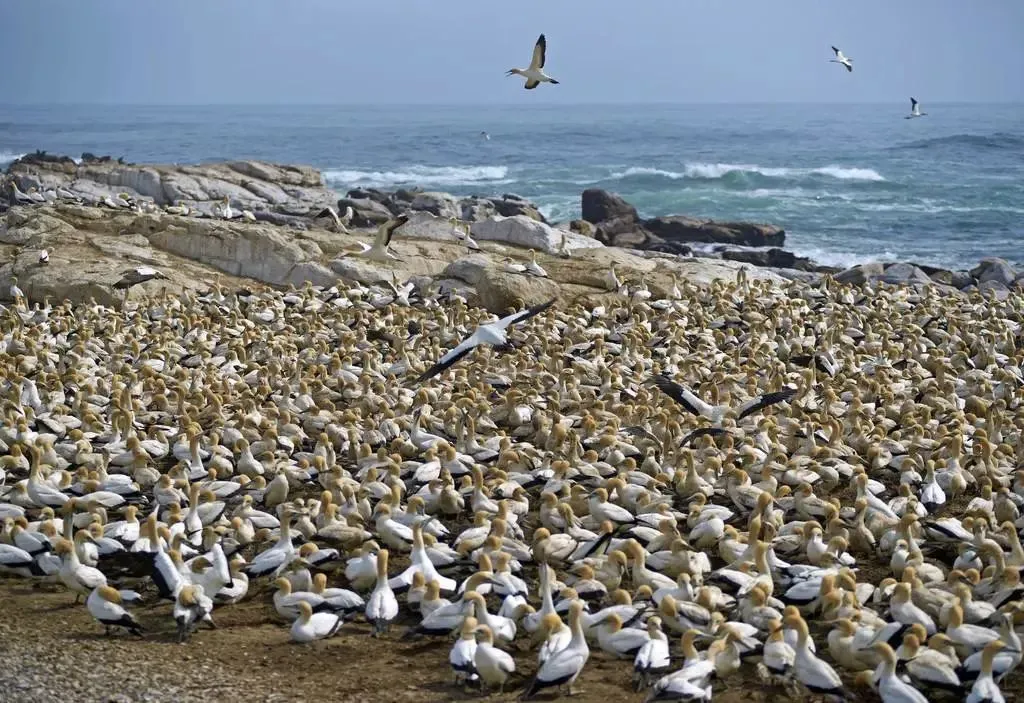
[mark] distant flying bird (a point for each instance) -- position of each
(135, 276)
(492, 333)
(485, 135)
(535, 75)
(915, 110)
(844, 60)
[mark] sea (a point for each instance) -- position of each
(849, 183)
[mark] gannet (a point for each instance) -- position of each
(44, 257)
(329, 212)
(492, 333)
(915, 110)
(717, 413)
(533, 268)
(844, 60)
(104, 604)
(16, 293)
(379, 250)
(135, 276)
(535, 75)
(35, 196)
(464, 229)
(20, 197)
(225, 210)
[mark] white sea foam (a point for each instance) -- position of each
(843, 259)
(7, 157)
(420, 175)
(712, 171)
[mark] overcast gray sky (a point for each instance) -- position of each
(456, 51)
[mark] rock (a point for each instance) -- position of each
(903, 273)
(365, 212)
(529, 234)
(583, 227)
(772, 258)
(439, 204)
(499, 291)
(361, 270)
(369, 194)
(315, 273)
(468, 268)
(511, 208)
(994, 269)
(679, 228)
(423, 225)
(956, 279)
(995, 287)
(861, 274)
(476, 209)
(600, 206)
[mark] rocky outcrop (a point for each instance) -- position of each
(679, 228)
(774, 258)
(601, 206)
(990, 276)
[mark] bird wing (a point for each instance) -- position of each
(450, 358)
(682, 395)
(713, 431)
(837, 52)
(387, 230)
(540, 50)
(912, 103)
(530, 85)
(849, 66)
(523, 315)
(764, 400)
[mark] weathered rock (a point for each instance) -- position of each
(601, 206)
(361, 270)
(583, 227)
(369, 194)
(423, 225)
(903, 273)
(439, 204)
(996, 287)
(994, 269)
(530, 234)
(956, 279)
(476, 209)
(512, 207)
(499, 291)
(861, 274)
(772, 258)
(365, 212)
(678, 228)
(315, 273)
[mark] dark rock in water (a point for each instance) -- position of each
(678, 228)
(514, 196)
(994, 269)
(437, 204)
(660, 245)
(862, 273)
(772, 258)
(601, 206)
(626, 227)
(510, 207)
(406, 195)
(365, 212)
(41, 157)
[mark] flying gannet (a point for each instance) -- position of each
(137, 275)
(840, 58)
(915, 110)
(379, 250)
(535, 75)
(492, 333)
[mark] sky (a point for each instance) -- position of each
(457, 51)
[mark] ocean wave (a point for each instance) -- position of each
(420, 175)
(843, 259)
(996, 140)
(714, 171)
(7, 157)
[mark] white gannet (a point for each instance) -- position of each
(310, 626)
(44, 257)
(379, 250)
(485, 135)
(493, 665)
(464, 229)
(17, 295)
(533, 268)
(841, 59)
(191, 606)
(564, 666)
(492, 333)
(20, 197)
(137, 275)
(331, 213)
(717, 413)
(104, 604)
(915, 110)
(381, 606)
(535, 75)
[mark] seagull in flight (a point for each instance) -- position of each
(844, 60)
(492, 333)
(379, 250)
(717, 414)
(535, 75)
(915, 110)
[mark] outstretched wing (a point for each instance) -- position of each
(540, 50)
(849, 67)
(448, 359)
(523, 315)
(713, 431)
(682, 395)
(764, 400)
(530, 85)
(835, 50)
(391, 226)
(912, 103)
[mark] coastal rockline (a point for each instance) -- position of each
(280, 225)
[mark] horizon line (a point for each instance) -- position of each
(555, 104)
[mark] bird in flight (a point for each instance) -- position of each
(492, 333)
(841, 59)
(379, 251)
(915, 110)
(535, 75)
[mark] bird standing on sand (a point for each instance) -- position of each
(844, 60)
(915, 110)
(535, 75)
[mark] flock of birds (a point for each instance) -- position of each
(816, 486)
(535, 75)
